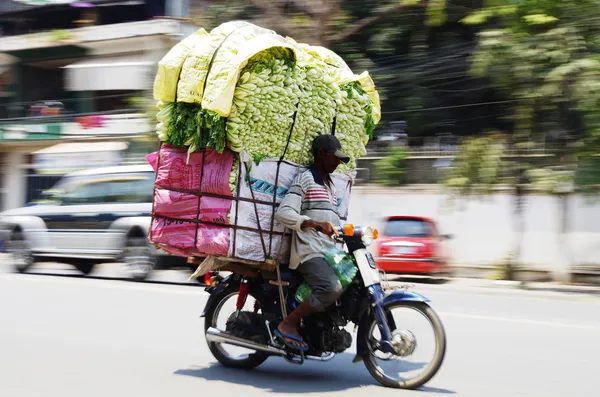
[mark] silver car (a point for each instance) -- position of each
(88, 217)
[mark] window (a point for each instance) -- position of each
(407, 227)
(105, 189)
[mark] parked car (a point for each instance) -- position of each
(411, 245)
(89, 217)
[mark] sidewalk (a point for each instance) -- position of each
(497, 285)
(589, 276)
(531, 286)
(463, 277)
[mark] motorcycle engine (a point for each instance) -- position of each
(248, 325)
(339, 340)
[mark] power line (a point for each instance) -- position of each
(451, 107)
(391, 58)
(424, 62)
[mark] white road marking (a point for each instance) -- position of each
(521, 321)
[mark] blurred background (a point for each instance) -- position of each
(490, 132)
(484, 174)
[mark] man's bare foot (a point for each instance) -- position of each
(288, 330)
(291, 337)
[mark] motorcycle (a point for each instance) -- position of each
(382, 339)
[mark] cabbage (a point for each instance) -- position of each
(264, 103)
(316, 111)
(234, 174)
(258, 82)
(355, 123)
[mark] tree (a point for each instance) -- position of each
(390, 169)
(542, 56)
(317, 22)
(416, 50)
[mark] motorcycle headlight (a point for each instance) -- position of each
(369, 235)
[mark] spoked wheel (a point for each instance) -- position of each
(419, 342)
(226, 354)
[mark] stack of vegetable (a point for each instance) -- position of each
(249, 89)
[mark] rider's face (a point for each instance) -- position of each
(327, 161)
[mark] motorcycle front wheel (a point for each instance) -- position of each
(419, 341)
(228, 355)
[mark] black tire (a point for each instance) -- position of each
(21, 256)
(85, 267)
(252, 361)
(440, 336)
(138, 259)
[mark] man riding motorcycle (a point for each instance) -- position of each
(310, 210)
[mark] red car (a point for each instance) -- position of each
(411, 245)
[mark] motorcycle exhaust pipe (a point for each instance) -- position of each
(217, 336)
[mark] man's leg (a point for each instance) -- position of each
(326, 289)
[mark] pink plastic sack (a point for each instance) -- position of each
(174, 171)
(176, 235)
(185, 206)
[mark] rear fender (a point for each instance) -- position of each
(217, 292)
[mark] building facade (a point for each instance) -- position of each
(71, 76)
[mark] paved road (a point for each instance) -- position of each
(101, 271)
(73, 337)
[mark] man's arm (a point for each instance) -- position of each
(289, 208)
(289, 212)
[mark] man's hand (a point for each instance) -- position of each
(323, 227)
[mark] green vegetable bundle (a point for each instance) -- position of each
(316, 110)
(249, 89)
(264, 103)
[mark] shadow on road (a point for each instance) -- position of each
(274, 377)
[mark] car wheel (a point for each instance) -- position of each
(138, 259)
(21, 256)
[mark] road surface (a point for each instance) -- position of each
(73, 337)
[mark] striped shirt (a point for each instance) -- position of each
(309, 197)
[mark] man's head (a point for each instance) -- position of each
(328, 154)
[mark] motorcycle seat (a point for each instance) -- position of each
(287, 274)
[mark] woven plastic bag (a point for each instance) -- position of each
(169, 68)
(342, 264)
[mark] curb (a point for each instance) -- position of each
(582, 277)
(460, 283)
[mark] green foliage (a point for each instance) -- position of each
(362, 33)
(507, 268)
(436, 13)
(196, 128)
(587, 177)
(551, 181)
(390, 169)
(477, 167)
(542, 54)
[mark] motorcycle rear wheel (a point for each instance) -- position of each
(250, 361)
(370, 360)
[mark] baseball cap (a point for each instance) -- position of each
(331, 144)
